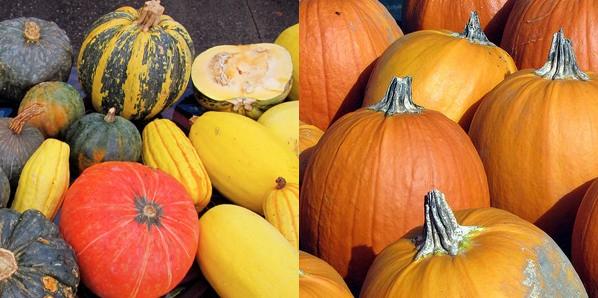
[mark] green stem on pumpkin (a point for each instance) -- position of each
(8, 264)
(473, 30)
(398, 99)
(561, 63)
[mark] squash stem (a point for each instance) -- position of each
(31, 31)
(150, 14)
(8, 264)
(398, 99)
(17, 123)
(473, 30)
(280, 183)
(110, 116)
(561, 63)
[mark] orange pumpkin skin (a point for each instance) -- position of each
(584, 244)
(368, 173)
(339, 41)
(528, 31)
(309, 136)
(318, 279)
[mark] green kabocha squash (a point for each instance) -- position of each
(97, 138)
(31, 51)
(136, 71)
(4, 189)
(34, 260)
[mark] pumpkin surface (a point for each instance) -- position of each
(283, 121)
(318, 279)
(483, 252)
(133, 229)
(584, 244)
(289, 39)
(237, 263)
(44, 180)
(309, 136)
(528, 31)
(451, 71)
(554, 107)
(166, 147)
(138, 72)
(4, 189)
(336, 59)
(242, 157)
(373, 165)
(31, 51)
(281, 209)
(34, 260)
(96, 138)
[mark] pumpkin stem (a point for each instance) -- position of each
(561, 63)
(398, 99)
(442, 234)
(473, 30)
(280, 183)
(17, 123)
(8, 264)
(149, 14)
(110, 116)
(31, 31)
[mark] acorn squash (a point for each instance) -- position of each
(281, 209)
(283, 121)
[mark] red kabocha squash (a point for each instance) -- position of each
(318, 279)
(369, 172)
(531, 23)
(483, 252)
(339, 41)
(584, 245)
(134, 229)
(536, 133)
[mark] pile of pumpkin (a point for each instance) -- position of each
(442, 118)
(132, 229)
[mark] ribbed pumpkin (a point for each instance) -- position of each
(281, 209)
(4, 189)
(531, 23)
(44, 180)
(451, 72)
(339, 42)
(484, 252)
(138, 72)
(309, 136)
(584, 244)
(133, 228)
(167, 148)
(242, 255)
(62, 103)
(289, 39)
(283, 121)
(318, 279)
(372, 166)
(536, 133)
(97, 138)
(31, 51)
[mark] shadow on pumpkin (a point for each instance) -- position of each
(494, 28)
(362, 258)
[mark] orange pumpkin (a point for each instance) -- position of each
(536, 133)
(309, 136)
(532, 22)
(584, 246)
(339, 42)
(451, 72)
(368, 173)
(484, 252)
(318, 279)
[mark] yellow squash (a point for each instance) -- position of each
(242, 255)
(166, 147)
(242, 157)
(281, 209)
(45, 179)
(289, 39)
(283, 121)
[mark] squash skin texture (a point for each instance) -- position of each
(309, 136)
(4, 189)
(242, 157)
(283, 121)
(289, 39)
(281, 209)
(166, 147)
(319, 279)
(15, 149)
(584, 244)
(45, 179)
(240, 264)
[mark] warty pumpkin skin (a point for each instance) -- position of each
(281, 209)
(483, 252)
(336, 58)
(584, 244)
(318, 279)
(451, 72)
(535, 133)
(528, 31)
(372, 166)
(4, 189)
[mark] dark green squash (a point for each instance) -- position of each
(34, 260)
(96, 138)
(31, 51)
(4, 189)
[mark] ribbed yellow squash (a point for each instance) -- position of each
(281, 209)
(167, 148)
(45, 179)
(242, 255)
(289, 39)
(283, 121)
(242, 157)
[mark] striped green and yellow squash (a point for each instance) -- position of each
(139, 73)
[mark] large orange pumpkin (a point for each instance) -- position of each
(339, 41)
(451, 71)
(584, 245)
(368, 173)
(318, 279)
(484, 252)
(531, 23)
(537, 135)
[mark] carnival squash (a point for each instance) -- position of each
(584, 244)
(451, 72)
(283, 121)
(4, 189)
(339, 42)
(483, 252)
(318, 279)
(289, 39)
(309, 136)
(242, 255)
(44, 180)
(133, 228)
(370, 170)
(167, 148)
(242, 157)
(136, 66)
(536, 133)
(281, 209)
